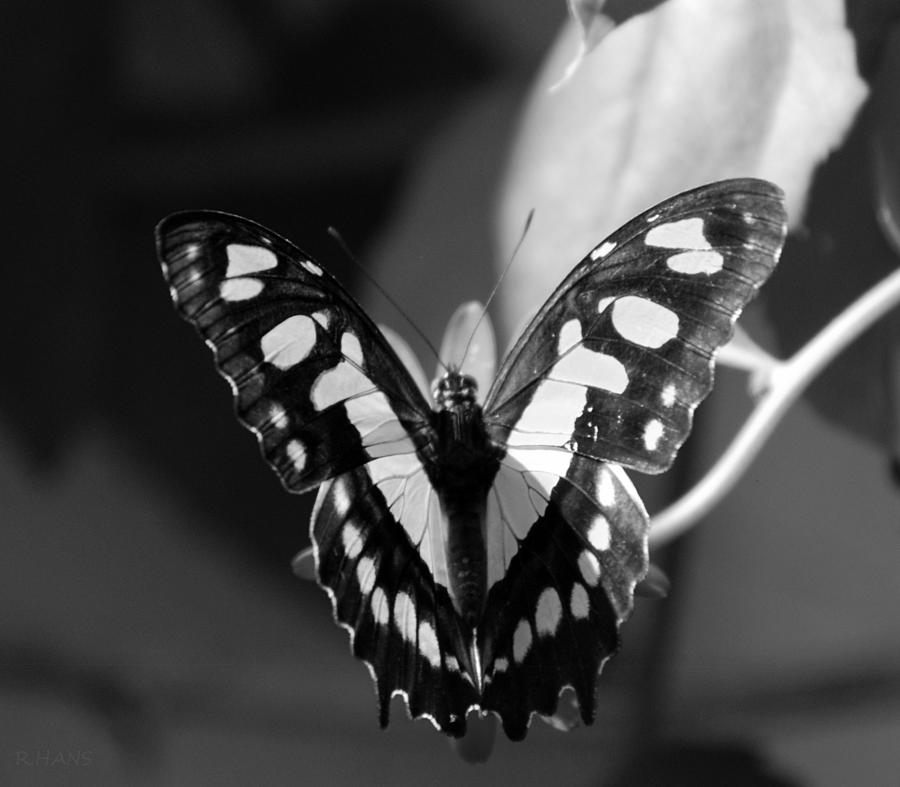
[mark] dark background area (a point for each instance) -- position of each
(301, 120)
(151, 630)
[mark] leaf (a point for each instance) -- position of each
(687, 93)
(596, 19)
(846, 247)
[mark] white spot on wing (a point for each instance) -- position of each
(606, 488)
(518, 498)
(692, 263)
(387, 438)
(579, 603)
(365, 575)
(548, 613)
(289, 342)
(351, 349)
(342, 382)
(351, 539)
(668, 395)
(569, 335)
(374, 418)
(550, 416)
(604, 302)
(508, 503)
(428, 644)
(243, 259)
(340, 497)
(589, 567)
(599, 533)
(584, 367)
(240, 289)
(311, 267)
(380, 608)
(501, 664)
(405, 616)
(545, 465)
(521, 642)
(278, 417)
(345, 380)
(644, 322)
(683, 234)
(603, 249)
(653, 432)
(296, 452)
(415, 505)
(323, 318)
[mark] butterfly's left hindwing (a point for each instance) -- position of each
(312, 376)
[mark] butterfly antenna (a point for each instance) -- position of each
(352, 257)
(500, 279)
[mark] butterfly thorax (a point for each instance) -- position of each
(454, 389)
(462, 470)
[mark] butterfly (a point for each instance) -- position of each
(482, 551)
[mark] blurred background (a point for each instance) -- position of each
(151, 630)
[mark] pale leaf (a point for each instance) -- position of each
(685, 94)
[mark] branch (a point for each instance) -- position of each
(787, 382)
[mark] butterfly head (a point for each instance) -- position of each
(453, 390)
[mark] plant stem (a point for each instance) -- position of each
(789, 380)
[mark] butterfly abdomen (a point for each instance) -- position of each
(462, 473)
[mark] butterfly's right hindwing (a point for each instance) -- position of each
(312, 376)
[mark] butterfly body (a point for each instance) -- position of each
(482, 552)
(461, 466)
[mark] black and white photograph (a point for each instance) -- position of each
(430, 393)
